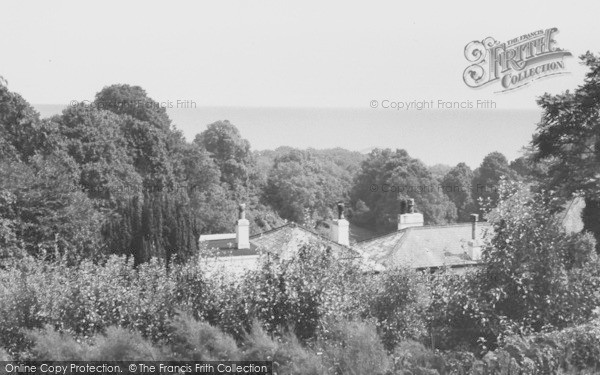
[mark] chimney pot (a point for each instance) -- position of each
(474, 219)
(340, 208)
(402, 206)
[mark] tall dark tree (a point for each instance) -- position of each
(301, 187)
(20, 131)
(95, 140)
(147, 130)
(568, 140)
(133, 101)
(158, 224)
(456, 184)
(439, 171)
(42, 208)
(386, 177)
(45, 209)
(229, 151)
(486, 179)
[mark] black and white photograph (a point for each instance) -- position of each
(299, 187)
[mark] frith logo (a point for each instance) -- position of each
(516, 62)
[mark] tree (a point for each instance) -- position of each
(457, 186)
(299, 183)
(487, 178)
(197, 171)
(133, 101)
(20, 133)
(568, 140)
(157, 224)
(95, 140)
(531, 259)
(46, 210)
(229, 151)
(439, 171)
(149, 149)
(151, 142)
(396, 176)
(534, 275)
(9, 242)
(42, 207)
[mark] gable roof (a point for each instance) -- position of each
(424, 247)
(284, 241)
(414, 247)
(289, 237)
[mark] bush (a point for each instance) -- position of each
(4, 355)
(354, 348)
(117, 344)
(287, 353)
(302, 291)
(49, 344)
(199, 341)
(411, 357)
(398, 300)
(87, 298)
(293, 358)
(534, 277)
(120, 344)
(532, 273)
(226, 306)
(297, 294)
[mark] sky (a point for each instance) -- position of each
(301, 54)
(276, 53)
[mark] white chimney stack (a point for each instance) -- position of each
(474, 246)
(340, 228)
(242, 229)
(410, 218)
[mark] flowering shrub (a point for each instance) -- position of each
(534, 277)
(85, 299)
(397, 300)
(301, 295)
(301, 292)
(532, 260)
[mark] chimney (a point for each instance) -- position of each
(402, 206)
(340, 228)
(242, 229)
(408, 217)
(474, 246)
(474, 218)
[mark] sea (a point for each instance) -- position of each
(435, 136)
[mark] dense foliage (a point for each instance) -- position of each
(535, 277)
(116, 177)
(387, 177)
(457, 186)
(567, 143)
(101, 208)
(311, 314)
(304, 296)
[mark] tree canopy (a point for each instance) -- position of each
(396, 176)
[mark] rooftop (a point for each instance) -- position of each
(284, 241)
(424, 247)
